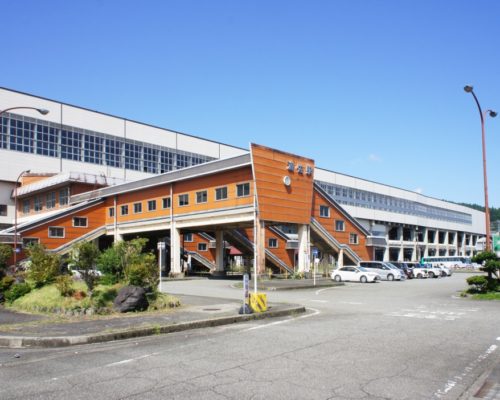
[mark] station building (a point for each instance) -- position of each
(127, 178)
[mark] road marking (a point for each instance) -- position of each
(322, 290)
(316, 312)
(131, 360)
(470, 367)
(422, 313)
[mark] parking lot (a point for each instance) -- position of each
(415, 339)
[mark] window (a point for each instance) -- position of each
(272, 243)
(339, 225)
(151, 205)
(188, 237)
(26, 206)
(3, 210)
(38, 204)
(202, 247)
(137, 208)
(80, 222)
(124, 210)
(63, 196)
(221, 193)
(111, 212)
(50, 201)
(353, 238)
(166, 203)
(183, 200)
(324, 211)
(29, 241)
(56, 232)
(243, 190)
(201, 197)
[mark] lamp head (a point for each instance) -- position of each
(492, 113)
(468, 89)
(42, 111)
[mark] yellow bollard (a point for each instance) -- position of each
(258, 302)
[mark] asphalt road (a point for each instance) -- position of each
(391, 340)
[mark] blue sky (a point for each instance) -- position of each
(369, 88)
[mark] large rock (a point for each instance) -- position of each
(131, 298)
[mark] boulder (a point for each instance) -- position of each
(131, 298)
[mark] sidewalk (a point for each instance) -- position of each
(25, 330)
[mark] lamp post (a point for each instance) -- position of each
(15, 214)
(42, 111)
(491, 113)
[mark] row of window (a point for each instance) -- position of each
(48, 200)
(30, 135)
(363, 198)
(324, 212)
(59, 231)
(242, 190)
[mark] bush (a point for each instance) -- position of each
(5, 253)
(84, 257)
(44, 266)
(479, 284)
(110, 265)
(64, 283)
(6, 283)
(16, 291)
(143, 272)
(104, 297)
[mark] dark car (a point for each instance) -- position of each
(405, 268)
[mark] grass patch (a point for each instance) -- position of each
(486, 296)
(48, 299)
(164, 301)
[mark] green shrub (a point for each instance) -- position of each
(108, 280)
(143, 272)
(16, 291)
(478, 283)
(104, 296)
(109, 263)
(6, 283)
(5, 253)
(44, 266)
(64, 283)
(84, 257)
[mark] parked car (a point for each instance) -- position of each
(445, 271)
(432, 272)
(385, 271)
(355, 274)
(405, 268)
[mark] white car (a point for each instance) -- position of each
(445, 271)
(354, 274)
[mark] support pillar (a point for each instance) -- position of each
(340, 262)
(304, 248)
(219, 252)
(175, 250)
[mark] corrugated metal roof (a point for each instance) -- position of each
(208, 168)
(60, 179)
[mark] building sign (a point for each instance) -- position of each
(299, 168)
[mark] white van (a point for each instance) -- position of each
(384, 270)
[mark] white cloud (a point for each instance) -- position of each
(374, 158)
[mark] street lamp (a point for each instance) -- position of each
(491, 113)
(42, 111)
(15, 214)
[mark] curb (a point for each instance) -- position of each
(63, 341)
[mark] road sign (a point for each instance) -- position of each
(496, 243)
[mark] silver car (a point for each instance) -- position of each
(385, 271)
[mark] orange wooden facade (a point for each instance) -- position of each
(278, 201)
(349, 227)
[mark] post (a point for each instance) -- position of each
(15, 214)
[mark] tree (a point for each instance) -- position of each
(5, 254)
(84, 257)
(44, 266)
(490, 263)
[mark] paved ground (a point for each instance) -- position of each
(390, 340)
